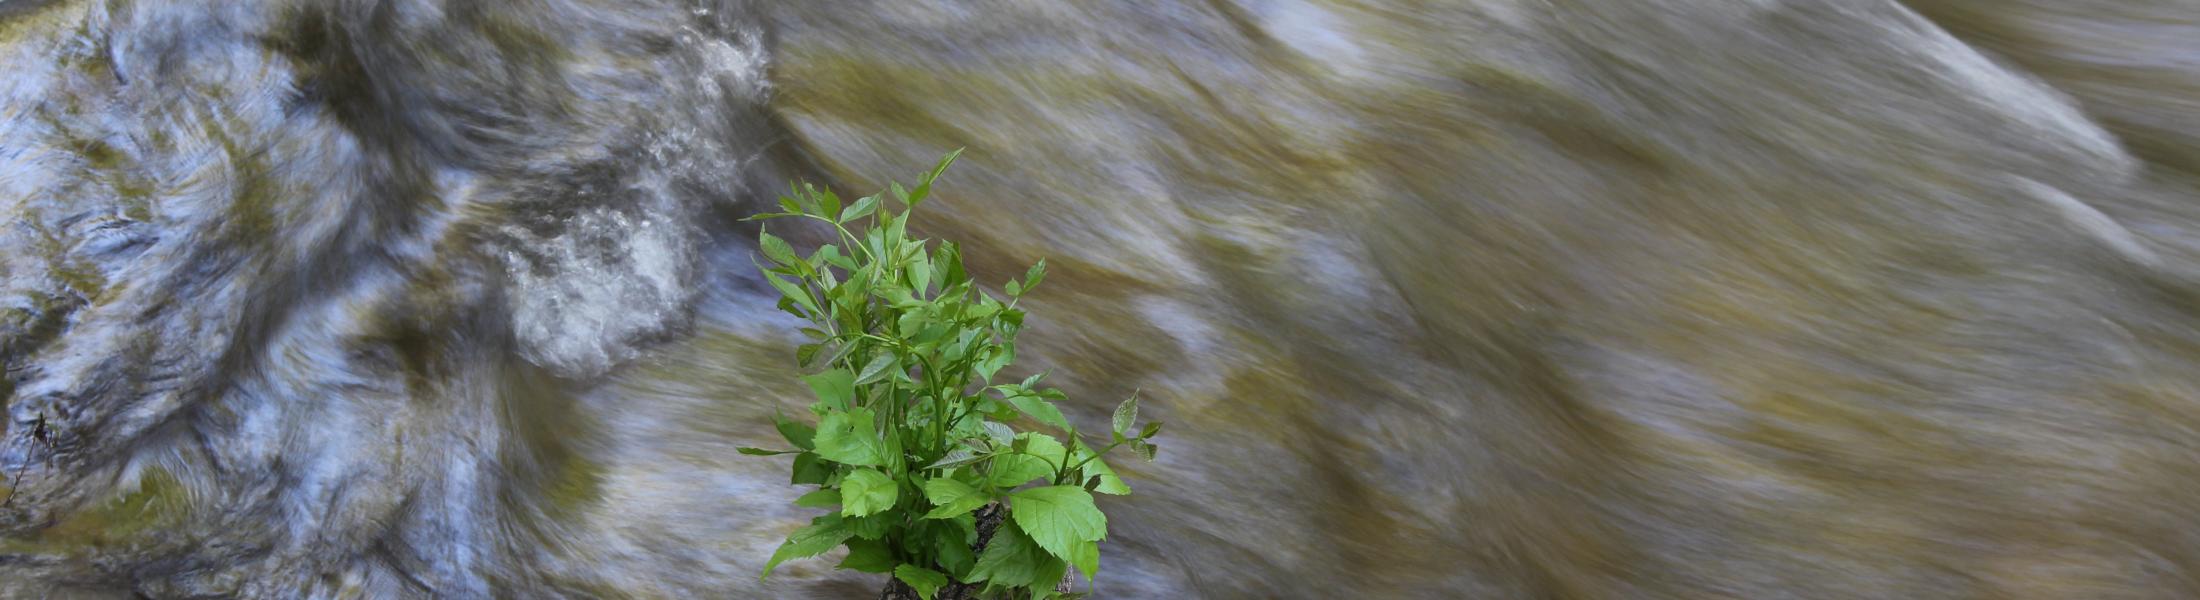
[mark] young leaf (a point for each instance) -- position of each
(866, 492)
(1126, 415)
(828, 204)
(920, 274)
(953, 498)
(1057, 517)
(851, 437)
(1038, 271)
(868, 556)
(835, 388)
(948, 257)
(924, 187)
(1151, 429)
(823, 498)
(807, 542)
(925, 581)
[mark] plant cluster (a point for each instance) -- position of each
(911, 450)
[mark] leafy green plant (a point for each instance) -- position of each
(911, 452)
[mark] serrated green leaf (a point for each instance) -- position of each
(810, 469)
(1057, 517)
(822, 498)
(807, 542)
(1014, 288)
(835, 388)
(878, 368)
(1011, 559)
(1040, 410)
(1041, 456)
(1098, 468)
(1086, 557)
(806, 353)
(925, 582)
(953, 551)
(1151, 429)
(876, 526)
(862, 208)
(1050, 573)
(790, 205)
(868, 556)
(762, 452)
(952, 498)
(1012, 470)
(1147, 449)
(866, 492)
(851, 437)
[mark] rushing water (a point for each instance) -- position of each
(1489, 299)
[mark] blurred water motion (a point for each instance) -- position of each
(1475, 299)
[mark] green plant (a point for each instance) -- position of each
(911, 450)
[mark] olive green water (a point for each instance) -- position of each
(1477, 299)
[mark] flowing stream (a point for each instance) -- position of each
(1599, 299)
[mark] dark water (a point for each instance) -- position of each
(1485, 299)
